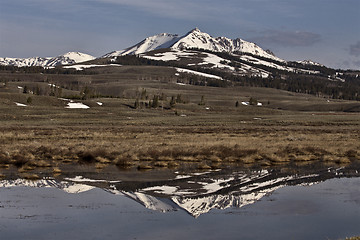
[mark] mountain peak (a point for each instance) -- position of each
(73, 57)
(195, 30)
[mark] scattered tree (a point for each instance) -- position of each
(25, 90)
(202, 101)
(253, 101)
(29, 100)
(155, 102)
(172, 102)
(137, 104)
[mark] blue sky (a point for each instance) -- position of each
(326, 31)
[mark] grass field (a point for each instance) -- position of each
(288, 128)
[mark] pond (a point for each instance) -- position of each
(319, 203)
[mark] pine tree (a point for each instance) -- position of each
(172, 102)
(155, 102)
(202, 101)
(143, 94)
(29, 100)
(137, 104)
(253, 101)
(179, 98)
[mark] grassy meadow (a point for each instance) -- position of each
(208, 128)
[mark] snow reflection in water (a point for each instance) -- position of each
(34, 209)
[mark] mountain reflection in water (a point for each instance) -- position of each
(196, 193)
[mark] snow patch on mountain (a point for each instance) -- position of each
(80, 67)
(310, 62)
(257, 61)
(169, 56)
(183, 70)
(216, 62)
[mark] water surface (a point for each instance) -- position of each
(210, 205)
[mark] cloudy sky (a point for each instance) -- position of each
(326, 31)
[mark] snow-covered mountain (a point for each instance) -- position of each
(197, 39)
(244, 58)
(176, 47)
(163, 40)
(195, 50)
(65, 59)
(194, 39)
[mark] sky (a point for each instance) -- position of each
(325, 31)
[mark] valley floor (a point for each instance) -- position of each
(33, 138)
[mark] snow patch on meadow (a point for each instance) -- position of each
(72, 105)
(20, 104)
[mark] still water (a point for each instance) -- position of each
(210, 205)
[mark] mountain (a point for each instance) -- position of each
(201, 40)
(197, 50)
(199, 58)
(175, 47)
(195, 39)
(65, 59)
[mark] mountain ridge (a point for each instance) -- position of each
(65, 59)
(194, 39)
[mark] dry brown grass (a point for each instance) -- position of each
(39, 163)
(30, 176)
(207, 145)
(57, 170)
(203, 166)
(157, 138)
(161, 164)
(144, 167)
